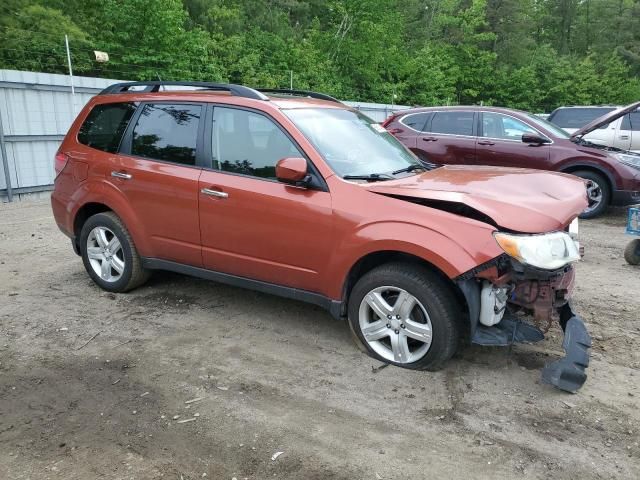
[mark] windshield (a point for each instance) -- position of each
(554, 129)
(351, 143)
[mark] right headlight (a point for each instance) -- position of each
(628, 159)
(548, 251)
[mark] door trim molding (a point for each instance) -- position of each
(334, 307)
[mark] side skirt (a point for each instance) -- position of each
(334, 307)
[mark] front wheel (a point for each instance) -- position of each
(405, 315)
(598, 193)
(109, 254)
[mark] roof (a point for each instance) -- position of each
(196, 90)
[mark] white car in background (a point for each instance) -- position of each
(622, 133)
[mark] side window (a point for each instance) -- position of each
(105, 125)
(496, 125)
(248, 143)
(416, 121)
(167, 132)
(453, 123)
(631, 121)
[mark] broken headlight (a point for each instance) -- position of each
(548, 251)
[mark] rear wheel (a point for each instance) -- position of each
(632, 252)
(405, 315)
(109, 254)
(598, 193)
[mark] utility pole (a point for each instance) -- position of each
(290, 79)
(66, 42)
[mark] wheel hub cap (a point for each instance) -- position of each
(395, 324)
(105, 254)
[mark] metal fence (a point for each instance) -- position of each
(36, 110)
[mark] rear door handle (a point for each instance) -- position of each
(624, 137)
(429, 139)
(214, 193)
(485, 142)
(123, 175)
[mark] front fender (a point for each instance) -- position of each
(438, 248)
(100, 191)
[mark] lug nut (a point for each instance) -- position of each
(389, 317)
(388, 325)
(402, 325)
(397, 331)
(398, 317)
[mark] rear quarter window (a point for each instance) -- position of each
(105, 125)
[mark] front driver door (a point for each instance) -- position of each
(500, 143)
(252, 225)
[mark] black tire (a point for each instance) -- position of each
(435, 296)
(632, 252)
(605, 188)
(133, 274)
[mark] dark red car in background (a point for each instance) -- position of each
(512, 138)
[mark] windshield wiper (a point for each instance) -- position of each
(372, 177)
(410, 168)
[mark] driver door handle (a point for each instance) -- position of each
(429, 139)
(485, 142)
(214, 193)
(123, 175)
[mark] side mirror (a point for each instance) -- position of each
(292, 171)
(534, 139)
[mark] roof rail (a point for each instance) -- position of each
(299, 93)
(238, 90)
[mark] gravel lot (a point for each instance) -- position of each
(92, 384)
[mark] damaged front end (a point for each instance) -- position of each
(512, 301)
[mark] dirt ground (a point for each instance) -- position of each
(92, 384)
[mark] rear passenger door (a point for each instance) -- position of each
(252, 225)
(449, 138)
(158, 170)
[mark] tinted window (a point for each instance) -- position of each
(455, 123)
(416, 121)
(167, 132)
(105, 125)
(248, 143)
(631, 122)
(496, 125)
(577, 117)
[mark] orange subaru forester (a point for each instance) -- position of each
(295, 194)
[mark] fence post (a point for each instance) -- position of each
(5, 162)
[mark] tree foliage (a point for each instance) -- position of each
(529, 54)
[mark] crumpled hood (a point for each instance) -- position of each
(520, 200)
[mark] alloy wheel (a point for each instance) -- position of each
(395, 324)
(594, 196)
(105, 254)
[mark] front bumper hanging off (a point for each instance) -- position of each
(568, 373)
(543, 296)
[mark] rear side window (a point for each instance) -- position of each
(577, 117)
(416, 121)
(631, 121)
(167, 132)
(452, 123)
(105, 125)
